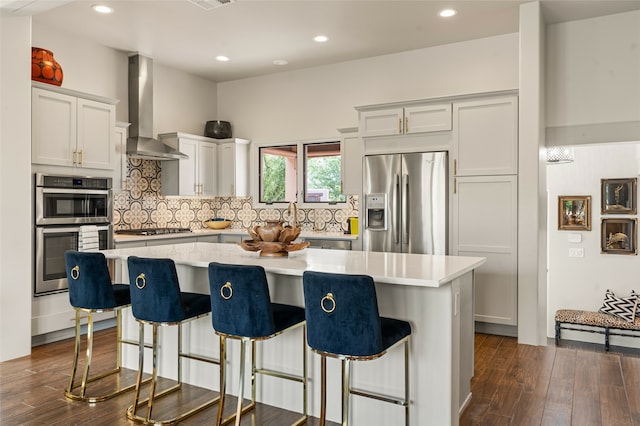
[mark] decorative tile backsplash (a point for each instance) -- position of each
(142, 206)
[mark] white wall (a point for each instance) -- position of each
(313, 103)
(182, 102)
(580, 283)
(593, 68)
(15, 188)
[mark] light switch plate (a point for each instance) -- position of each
(576, 252)
(574, 238)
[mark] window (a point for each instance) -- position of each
(278, 174)
(317, 171)
(322, 173)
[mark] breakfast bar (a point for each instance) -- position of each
(433, 293)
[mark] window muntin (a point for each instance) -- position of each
(322, 173)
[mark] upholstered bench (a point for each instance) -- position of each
(602, 324)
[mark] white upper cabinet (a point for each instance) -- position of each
(406, 120)
(72, 129)
(196, 175)
(233, 167)
(485, 136)
(120, 143)
(352, 153)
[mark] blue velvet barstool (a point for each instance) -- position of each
(91, 291)
(242, 309)
(343, 322)
(156, 300)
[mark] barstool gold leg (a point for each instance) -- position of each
(136, 395)
(74, 367)
(406, 381)
(87, 365)
(345, 391)
(323, 390)
(223, 378)
(154, 371)
(241, 387)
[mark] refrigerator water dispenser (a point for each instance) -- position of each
(376, 208)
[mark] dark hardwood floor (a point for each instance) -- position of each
(513, 385)
(573, 384)
(32, 392)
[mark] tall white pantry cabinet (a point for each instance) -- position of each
(484, 157)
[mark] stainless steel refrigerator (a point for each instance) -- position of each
(405, 203)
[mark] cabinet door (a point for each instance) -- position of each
(207, 169)
(226, 170)
(233, 168)
(381, 123)
(188, 168)
(53, 128)
(485, 136)
(485, 225)
(352, 152)
(95, 143)
(120, 146)
(427, 118)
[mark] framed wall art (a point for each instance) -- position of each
(574, 212)
(619, 236)
(618, 196)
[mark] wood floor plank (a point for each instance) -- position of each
(631, 373)
(586, 392)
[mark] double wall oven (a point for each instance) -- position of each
(62, 204)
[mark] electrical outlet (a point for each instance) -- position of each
(576, 252)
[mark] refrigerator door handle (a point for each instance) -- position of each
(398, 202)
(405, 209)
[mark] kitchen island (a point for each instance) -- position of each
(433, 293)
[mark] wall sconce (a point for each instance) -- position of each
(559, 154)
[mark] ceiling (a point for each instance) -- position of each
(254, 33)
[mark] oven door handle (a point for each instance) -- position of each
(73, 191)
(57, 230)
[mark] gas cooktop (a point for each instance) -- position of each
(152, 231)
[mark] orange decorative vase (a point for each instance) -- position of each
(44, 67)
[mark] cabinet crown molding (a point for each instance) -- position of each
(74, 93)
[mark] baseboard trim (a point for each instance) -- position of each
(497, 329)
(67, 333)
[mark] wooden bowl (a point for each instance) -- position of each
(218, 224)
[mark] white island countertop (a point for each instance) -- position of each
(391, 268)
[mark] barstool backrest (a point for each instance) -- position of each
(240, 302)
(155, 291)
(342, 314)
(89, 281)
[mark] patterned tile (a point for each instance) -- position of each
(142, 206)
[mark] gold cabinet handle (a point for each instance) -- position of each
(81, 158)
(455, 167)
(406, 124)
(399, 125)
(455, 184)
(75, 157)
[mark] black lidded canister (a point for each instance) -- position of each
(217, 129)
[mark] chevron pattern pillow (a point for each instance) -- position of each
(623, 307)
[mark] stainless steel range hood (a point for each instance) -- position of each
(141, 143)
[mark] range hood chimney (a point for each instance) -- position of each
(141, 143)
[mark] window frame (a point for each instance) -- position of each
(300, 174)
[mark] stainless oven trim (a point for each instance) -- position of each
(39, 208)
(40, 286)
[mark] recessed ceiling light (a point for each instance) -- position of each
(101, 8)
(320, 38)
(280, 62)
(447, 13)
(222, 58)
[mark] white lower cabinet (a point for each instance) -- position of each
(485, 225)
